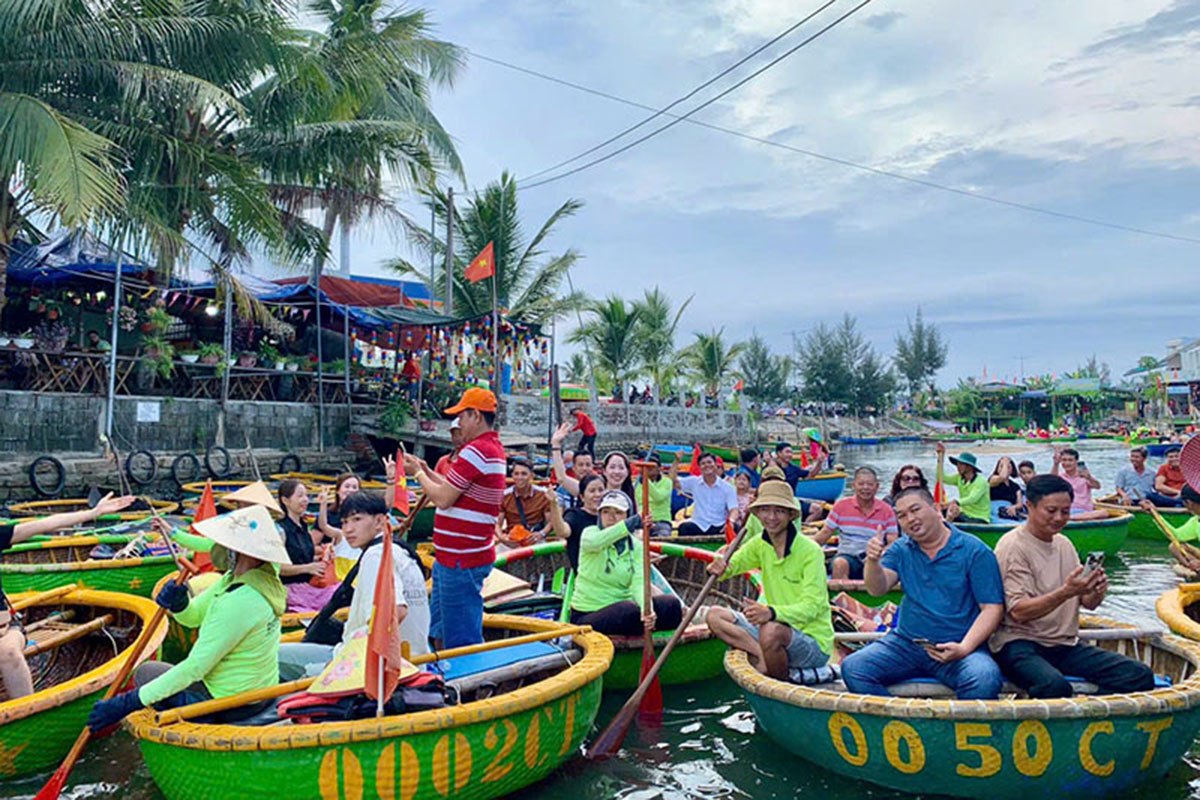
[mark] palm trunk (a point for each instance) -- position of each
(331, 216)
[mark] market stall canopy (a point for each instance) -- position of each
(358, 291)
(68, 256)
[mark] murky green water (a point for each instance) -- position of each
(707, 747)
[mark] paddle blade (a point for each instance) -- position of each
(651, 708)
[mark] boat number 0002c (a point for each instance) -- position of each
(1031, 748)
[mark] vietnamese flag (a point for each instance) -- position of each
(694, 467)
(400, 487)
(205, 509)
(383, 639)
(482, 266)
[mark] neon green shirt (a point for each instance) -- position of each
(1189, 531)
(237, 648)
(610, 569)
(795, 585)
(660, 498)
(974, 498)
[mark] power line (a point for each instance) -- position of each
(676, 120)
(687, 96)
(928, 184)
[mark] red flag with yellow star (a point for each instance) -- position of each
(482, 266)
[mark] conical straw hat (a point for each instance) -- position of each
(249, 531)
(257, 494)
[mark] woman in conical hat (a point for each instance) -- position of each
(237, 648)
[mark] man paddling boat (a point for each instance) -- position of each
(18, 681)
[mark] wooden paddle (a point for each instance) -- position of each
(53, 788)
(611, 737)
(271, 692)
(652, 703)
(1169, 532)
(69, 635)
(250, 455)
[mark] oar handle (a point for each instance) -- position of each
(43, 597)
(1167, 530)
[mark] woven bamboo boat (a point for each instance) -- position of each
(38, 566)
(220, 488)
(1179, 609)
(502, 737)
(1085, 746)
(37, 731)
(1106, 535)
(1142, 526)
(828, 487)
(41, 508)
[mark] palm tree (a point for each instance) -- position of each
(528, 280)
(576, 369)
(656, 339)
(710, 360)
(611, 335)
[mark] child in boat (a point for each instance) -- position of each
(237, 645)
(608, 585)
(953, 601)
(794, 629)
(18, 682)
(1037, 642)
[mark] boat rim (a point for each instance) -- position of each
(597, 655)
(1115, 519)
(1182, 696)
(94, 679)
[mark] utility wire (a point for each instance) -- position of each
(928, 184)
(687, 96)
(703, 105)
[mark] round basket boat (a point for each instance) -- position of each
(1107, 535)
(827, 487)
(1142, 526)
(36, 731)
(1083, 746)
(37, 566)
(698, 655)
(314, 480)
(220, 488)
(1179, 609)
(500, 739)
(41, 508)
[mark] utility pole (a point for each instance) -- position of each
(449, 301)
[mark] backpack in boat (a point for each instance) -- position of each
(420, 692)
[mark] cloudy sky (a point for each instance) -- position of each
(1084, 108)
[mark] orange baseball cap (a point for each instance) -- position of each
(476, 398)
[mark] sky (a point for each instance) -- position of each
(1087, 109)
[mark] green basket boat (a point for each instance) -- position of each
(491, 745)
(41, 508)
(1106, 535)
(37, 731)
(38, 566)
(698, 655)
(1142, 526)
(1085, 746)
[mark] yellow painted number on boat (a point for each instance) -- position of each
(989, 757)
(496, 770)
(840, 722)
(1032, 765)
(1153, 729)
(569, 725)
(1085, 749)
(340, 784)
(410, 772)
(385, 772)
(533, 742)
(894, 733)
(441, 764)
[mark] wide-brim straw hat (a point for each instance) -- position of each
(1189, 462)
(256, 494)
(775, 493)
(249, 531)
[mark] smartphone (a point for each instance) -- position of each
(1095, 561)
(921, 642)
(1082, 465)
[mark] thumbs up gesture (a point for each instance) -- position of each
(876, 545)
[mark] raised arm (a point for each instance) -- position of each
(560, 469)
(56, 522)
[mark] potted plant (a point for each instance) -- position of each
(160, 354)
(211, 353)
(190, 357)
(270, 355)
(247, 359)
(24, 341)
(293, 364)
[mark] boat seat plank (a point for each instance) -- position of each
(462, 666)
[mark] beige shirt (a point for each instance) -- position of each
(1032, 567)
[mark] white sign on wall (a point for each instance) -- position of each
(147, 412)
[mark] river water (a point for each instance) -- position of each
(707, 747)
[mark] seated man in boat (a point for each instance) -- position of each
(1135, 482)
(525, 509)
(792, 472)
(237, 647)
(1068, 466)
(974, 503)
(953, 601)
(18, 681)
(1168, 482)
(793, 630)
(1037, 643)
(854, 520)
(713, 498)
(609, 592)
(1186, 547)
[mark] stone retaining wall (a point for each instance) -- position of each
(626, 423)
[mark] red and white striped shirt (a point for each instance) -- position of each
(464, 533)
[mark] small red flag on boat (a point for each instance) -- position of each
(694, 467)
(737, 387)
(205, 509)
(400, 487)
(383, 639)
(939, 493)
(482, 266)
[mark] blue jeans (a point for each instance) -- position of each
(1162, 501)
(456, 607)
(895, 659)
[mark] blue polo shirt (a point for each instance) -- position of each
(942, 595)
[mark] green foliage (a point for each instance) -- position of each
(1093, 369)
(963, 401)
(839, 366)
(210, 349)
(268, 354)
(575, 370)
(767, 376)
(655, 331)
(393, 420)
(710, 360)
(920, 352)
(610, 333)
(874, 382)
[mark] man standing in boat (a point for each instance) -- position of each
(464, 527)
(953, 601)
(793, 630)
(1044, 588)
